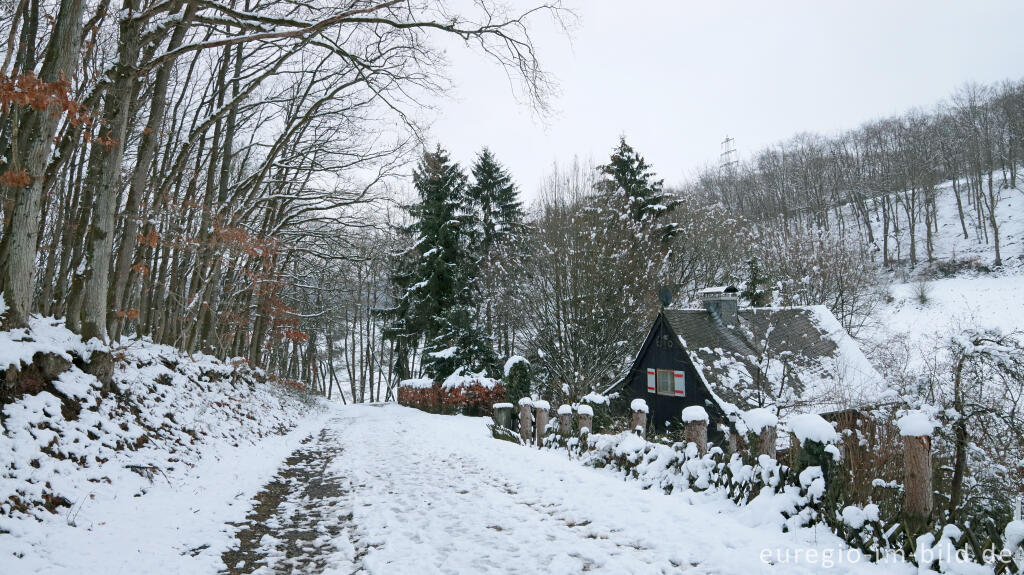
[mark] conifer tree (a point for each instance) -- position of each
(500, 229)
(627, 170)
(755, 291)
(496, 201)
(438, 275)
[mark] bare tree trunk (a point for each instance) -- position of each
(140, 176)
(993, 204)
(959, 204)
(35, 140)
(116, 112)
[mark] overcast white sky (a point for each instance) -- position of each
(676, 76)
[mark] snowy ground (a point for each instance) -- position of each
(177, 526)
(972, 298)
(979, 301)
(388, 489)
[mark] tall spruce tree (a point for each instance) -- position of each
(437, 305)
(500, 229)
(496, 201)
(627, 170)
(756, 289)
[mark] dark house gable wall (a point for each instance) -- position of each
(668, 355)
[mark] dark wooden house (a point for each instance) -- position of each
(729, 359)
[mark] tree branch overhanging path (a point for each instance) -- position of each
(179, 163)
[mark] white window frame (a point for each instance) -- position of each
(670, 374)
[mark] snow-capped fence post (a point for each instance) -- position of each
(916, 429)
(763, 424)
(502, 415)
(639, 408)
(541, 417)
(564, 421)
(526, 419)
(584, 419)
(695, 420)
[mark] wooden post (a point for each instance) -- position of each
(916, 429)
(639, 408)
(564, 421)
(502, 415)
(585, 418)
(766, 441)
(525, 420)
(543, 409)
(762, 423)
(695, 431)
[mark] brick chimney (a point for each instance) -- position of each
(723, 303)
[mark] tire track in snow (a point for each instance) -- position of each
(299, 521)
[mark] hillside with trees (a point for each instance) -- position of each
(219, 220)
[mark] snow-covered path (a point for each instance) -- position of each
(392, 490)
(434, 494)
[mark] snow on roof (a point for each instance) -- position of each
(802, 354)
(718, 290)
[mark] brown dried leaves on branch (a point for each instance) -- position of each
(28, 91)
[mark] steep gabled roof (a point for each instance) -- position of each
(798, 358)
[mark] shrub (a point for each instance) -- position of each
(923, 292)
(473, 399)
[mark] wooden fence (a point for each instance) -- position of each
(908, 530)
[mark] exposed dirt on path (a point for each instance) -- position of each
(299, 520)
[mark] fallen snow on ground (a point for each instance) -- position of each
(436, 494)
(151, 473)
(953, 304)
(972, 298)
(410, 492)
(180, 525)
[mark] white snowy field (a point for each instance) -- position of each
(954, 304)
(435, 494)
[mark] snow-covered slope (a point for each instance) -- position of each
(949, 242)
(84, 463)
(962, 289)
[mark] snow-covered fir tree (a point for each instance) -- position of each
(497, 243)
(438, 275)
(496, 201)
(628, 170)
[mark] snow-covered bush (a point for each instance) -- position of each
(518, 378)
(601, 408)
(468, 394)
